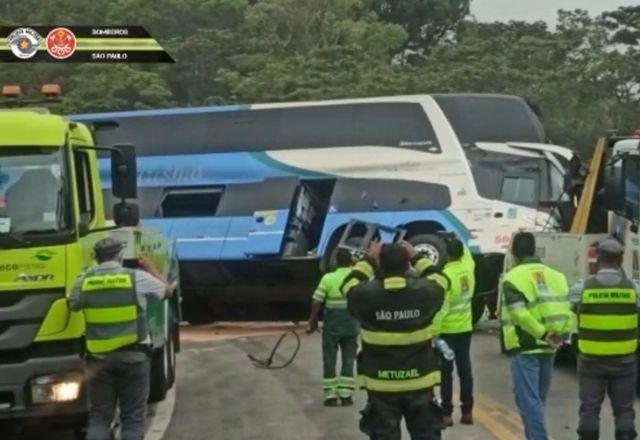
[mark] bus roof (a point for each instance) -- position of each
(93, 117)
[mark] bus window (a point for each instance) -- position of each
(191, 202)
(385, 124)
(491, 119)
(519, 190)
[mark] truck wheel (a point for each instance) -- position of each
(159, 384)
(431, 246)
(171, 354)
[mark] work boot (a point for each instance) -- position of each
(331, 401)
(346, 401)
(626, 435)
(447, 420)
(588, 435)
(466, 419)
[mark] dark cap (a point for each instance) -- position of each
(610, 247)
(108, 246)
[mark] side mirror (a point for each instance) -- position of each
(126, 214)
(124, 172)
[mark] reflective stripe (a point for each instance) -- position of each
(399, 386)
(389, 338)
(607, 348)
(331, 304)
(394, 283)
(353, 282)
(549, 319)
(440, 280)
(549, 299)
(101, 283)
(99, 346)
(608, 322)
(365, 268)
(516, 305)
(423, 264)
(111, 315)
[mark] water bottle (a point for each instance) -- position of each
(444, 348)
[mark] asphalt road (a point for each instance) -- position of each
(221, 395)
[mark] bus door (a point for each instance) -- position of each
(257, 214)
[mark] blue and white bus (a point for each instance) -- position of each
(257, 196)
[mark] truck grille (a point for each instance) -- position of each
(41, 350)
(21, 314)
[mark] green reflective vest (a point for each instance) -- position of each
(458, 317)
(608, 319)
(336, 317)
(544, 308)
(113, 318)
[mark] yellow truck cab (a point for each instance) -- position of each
(51, 214)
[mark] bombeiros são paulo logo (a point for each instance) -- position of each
(24, 42)
(61, 43)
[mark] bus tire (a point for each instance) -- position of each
(432, 246)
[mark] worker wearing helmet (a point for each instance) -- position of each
(607, 308)
(340, 332)
(113, 300)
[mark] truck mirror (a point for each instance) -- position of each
(126, 214)
(124, 172)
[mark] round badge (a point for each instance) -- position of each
(24, 42)
(270, 220)
(61, 43)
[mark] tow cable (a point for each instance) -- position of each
(268, 362)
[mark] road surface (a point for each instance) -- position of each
(221, 395)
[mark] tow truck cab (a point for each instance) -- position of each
(51, 215)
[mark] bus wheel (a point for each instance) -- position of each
(432, 246)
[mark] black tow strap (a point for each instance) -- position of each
(268, 362)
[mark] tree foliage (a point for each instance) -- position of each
(584, 74)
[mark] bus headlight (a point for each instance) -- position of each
(56, 388)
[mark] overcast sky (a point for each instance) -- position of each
(532, 10)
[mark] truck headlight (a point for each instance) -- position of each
(56, 388)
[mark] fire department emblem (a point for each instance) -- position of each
(24, 42)
(61, 43)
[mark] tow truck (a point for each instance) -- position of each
(608, 206)
(51, 215)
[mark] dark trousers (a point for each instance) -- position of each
(117, 382)
(615, 377)
(384, 411)
(344, 385)
(460, 343)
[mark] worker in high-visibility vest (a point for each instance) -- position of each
(607, 309)
(456, 331)
(339, 333)
(536, 314)
(399, 314)
(113, 300)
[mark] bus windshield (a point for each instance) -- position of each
(33, 191)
